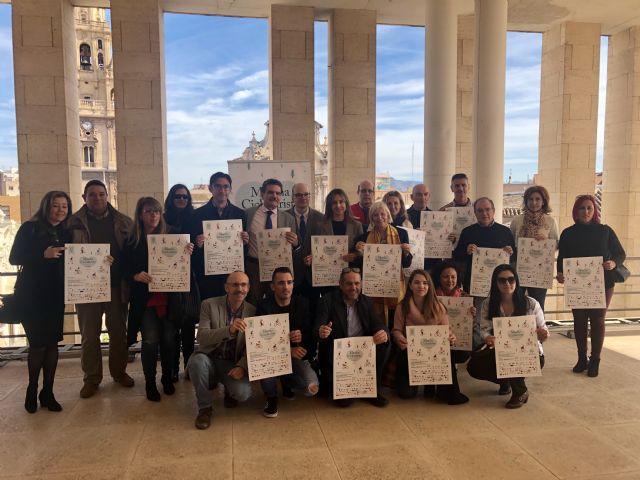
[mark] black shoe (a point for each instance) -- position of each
(518, 401)
(271, 408)
(344, 402)
(31, 399)
(47, 400)
(288, 393)
(230, 402)
(175, 376)
(168, 387)
(457, 399)
(429, 391)
(152, 391)
(581, 366)
(594, 365)
(379, 401)
(203, 420)
(505, 388)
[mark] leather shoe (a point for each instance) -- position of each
(229, 401)
(581, 366)
(88, 390)
(379, 401)
(125, 380)
(505, 388)
(203, 420)
(518, 401)
(593, 367)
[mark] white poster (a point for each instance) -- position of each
(437, 227)
(248, 177)
(429, 355)
(584, 282)
(87, 274)
(273, 251)
(484, 261)
(169, 263)
(327, 263)
(416, 240)
(462, 218)
(516, 344)
(354, 368)
(268, 347)
(535, 262)
(223, 247)
(381, 270)
(460, 321)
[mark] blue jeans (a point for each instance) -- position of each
(206, 372)
(303, 376)
(157, 332)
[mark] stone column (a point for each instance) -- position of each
(46, 64)
(488, 100)
(568, 114)
(291, 85)
(464, 111)
(140, 117)
(352, 99)
(440, 98)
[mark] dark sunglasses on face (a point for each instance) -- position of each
(181, 197)
(505, 280)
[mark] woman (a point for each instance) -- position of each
(178, 207)
(38, 248)
(589, 238)
(393, 200)
(420, 306)
(382, 232)
(156, 312)
(506, 299)
(447, 281)
(536, 223)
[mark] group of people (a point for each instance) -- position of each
(219, 304)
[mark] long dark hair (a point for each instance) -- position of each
(441, 267)
(520, 302)
(173, 216)
(431, 307)
(328, 205)
(42, 215)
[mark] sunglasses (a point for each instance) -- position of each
(505, 280)
(350, 270)
(181, 197)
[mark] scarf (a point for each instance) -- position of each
(532, 223)
(392, 238)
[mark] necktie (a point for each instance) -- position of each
(268, 225)
(303, 228)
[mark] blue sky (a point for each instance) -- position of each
(217, 94)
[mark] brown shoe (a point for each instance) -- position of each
(518, 401)
(203, 420)
(88, 390)
(125, 380)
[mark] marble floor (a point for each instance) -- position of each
(573, 427)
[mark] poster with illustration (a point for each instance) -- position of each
(437, 227)
(354, 368)
(273, 251)
(223, 247)
(484, 261)
(381, 270)
(462, 218)
(268, 347)
(429, 355)
(327, 252)
(516, 345)
(535, 262)
(87, 273)
(169, 263)
(584, 282)
(416, 240)
(461, 320)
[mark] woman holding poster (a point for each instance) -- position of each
(39, 291)
(420, 306)
(535, 223)
(506, 299)
(589, 238)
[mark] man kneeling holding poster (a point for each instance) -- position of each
(347, 323)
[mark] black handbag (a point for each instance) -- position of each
(11, 309)
(620, 273)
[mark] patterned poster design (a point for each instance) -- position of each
(169, 263)
(429, 355)
(273, 251)
(354, 368)
(437, 227)
(416, 240)
(268, 347)
(535, 262)
(327, 264)
(584, 282)
(223, 247)
(484, 261)
(462, 218)
(382, 270)
(460, 321)
(517, 353)
(87, 274)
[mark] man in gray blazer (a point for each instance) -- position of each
(265, 217)
(221, 355)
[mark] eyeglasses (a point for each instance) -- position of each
(505, 280)
(301, 195)
(180, 197)
(350, 270)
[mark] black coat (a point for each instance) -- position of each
(40, 284)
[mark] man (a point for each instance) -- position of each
(217, 208)
(98, 222)
(309, 222)
(266, 217)
(221, 355)
(460, 188)
(360, 210)
(303, 343)
(347, 313)
(420, 197)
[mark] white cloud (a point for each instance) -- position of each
(260, 78)
(242, 95)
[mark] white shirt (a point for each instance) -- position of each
(258, 224)
(298, 215)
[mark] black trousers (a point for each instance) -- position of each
(483, 367)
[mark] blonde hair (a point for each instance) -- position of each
(380, 206)
(138, 228)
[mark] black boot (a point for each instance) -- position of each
(31, 399)
(582, 364)
(47, 400)
(167, 385)
(152, 391)
(592, 369)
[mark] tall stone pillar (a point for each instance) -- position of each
(291, 85)
(440, 98)
(568, 114)
(488, 100)
(46, 64)
(464, 111)
(140, 117)
(352, 99)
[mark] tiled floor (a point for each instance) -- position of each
(572, 427)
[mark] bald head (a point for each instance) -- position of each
(420, 196)
(301, 197)
(237, 287)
